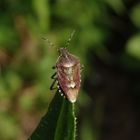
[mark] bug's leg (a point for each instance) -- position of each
(82, 67)
(52, 86)
(53, 67)
(53, 76)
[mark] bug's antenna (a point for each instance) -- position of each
(70, 38)
(48, 41)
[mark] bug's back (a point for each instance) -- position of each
(68, 74)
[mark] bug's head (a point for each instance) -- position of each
(62, 51)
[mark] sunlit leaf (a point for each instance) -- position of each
(133, 46)
(135, 15)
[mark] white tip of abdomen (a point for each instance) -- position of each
(72, 100)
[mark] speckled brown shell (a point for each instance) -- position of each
(68, 75)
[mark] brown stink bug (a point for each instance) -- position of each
(67, 74)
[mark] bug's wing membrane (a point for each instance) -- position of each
(73, 92)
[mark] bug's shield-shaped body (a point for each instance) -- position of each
(68, 74)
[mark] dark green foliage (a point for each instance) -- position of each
(59, 123)
(107, 41)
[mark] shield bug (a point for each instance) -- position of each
(67, 74)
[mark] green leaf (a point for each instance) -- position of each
(133, 46)
(59, 123)
(135, 15)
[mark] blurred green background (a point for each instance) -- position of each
(107, 41)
